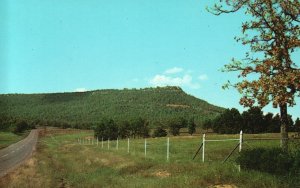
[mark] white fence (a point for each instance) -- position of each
(203, 145)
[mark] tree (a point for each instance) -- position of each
(297, 125)
(106, 129)
(160, 132)
(21, 127)
(268, 120)
(176, 124)
(140, 127)
(272, 35)
(254, 121)
(123, 129)
(191, 126)
(290, 123)
(208, 124)
(276, 124)
(174, 128)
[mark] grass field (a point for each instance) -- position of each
(60, 161)
(8, 138)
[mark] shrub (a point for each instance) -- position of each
(21, 127)
(160, 132)
(271, 160)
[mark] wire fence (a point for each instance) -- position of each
(182, 149)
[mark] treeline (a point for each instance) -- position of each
(252, 121)
(139, 128)
(86, 109)
(15, 125)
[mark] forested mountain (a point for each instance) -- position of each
(85, 109)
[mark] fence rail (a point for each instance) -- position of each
(203, 147)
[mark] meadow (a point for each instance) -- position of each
(61, 161)
(8, 138)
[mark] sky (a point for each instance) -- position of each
(78, 45)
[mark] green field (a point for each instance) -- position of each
(8, 138)
(60, 161)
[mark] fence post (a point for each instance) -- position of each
(145, 147)
(241, 141)
(102, 142)
(203, 149)
(168, 148)
(128, 145)
(117, 144)
(108, 144)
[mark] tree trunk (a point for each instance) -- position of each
(284, 127)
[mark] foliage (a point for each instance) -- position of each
(109, 129)
(176, 124)
(271, 160)
(191, 127)
(139, 128)
(208, 124)
(21, 127)
(159, 132)
(253, 121)
(87, 109)
(297, 125)
(272, 34)
(230, 121)
(250, 121)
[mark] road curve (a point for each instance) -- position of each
(13, 155)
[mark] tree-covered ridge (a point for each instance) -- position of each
(84, 109)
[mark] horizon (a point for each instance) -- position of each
(54, 46)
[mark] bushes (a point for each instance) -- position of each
(21, 127)
(271, 160)
(109, 129)
(160, 132)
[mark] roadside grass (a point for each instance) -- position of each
(60, 161)
(8, 138)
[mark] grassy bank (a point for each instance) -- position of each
(8, 138)
(60, 161)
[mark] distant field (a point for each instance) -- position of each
(8, 138)
(61, 161)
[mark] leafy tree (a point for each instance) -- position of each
(297, 125)
(290, 123)
(254, 121)
(139, 128)
(272, 35)
(229, 122)
(160, 132)
(191, 126)
(276, 124)
(208, 124)
(176, 124)
(106, 129)
(123, 129)
(174, 128)
(21, 127)
(268, 121)
(144, 128)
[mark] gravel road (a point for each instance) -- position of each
(13, 155)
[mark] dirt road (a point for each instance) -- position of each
(12, 156)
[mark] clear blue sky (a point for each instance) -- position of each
(69, 45)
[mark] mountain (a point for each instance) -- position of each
(83, 109)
